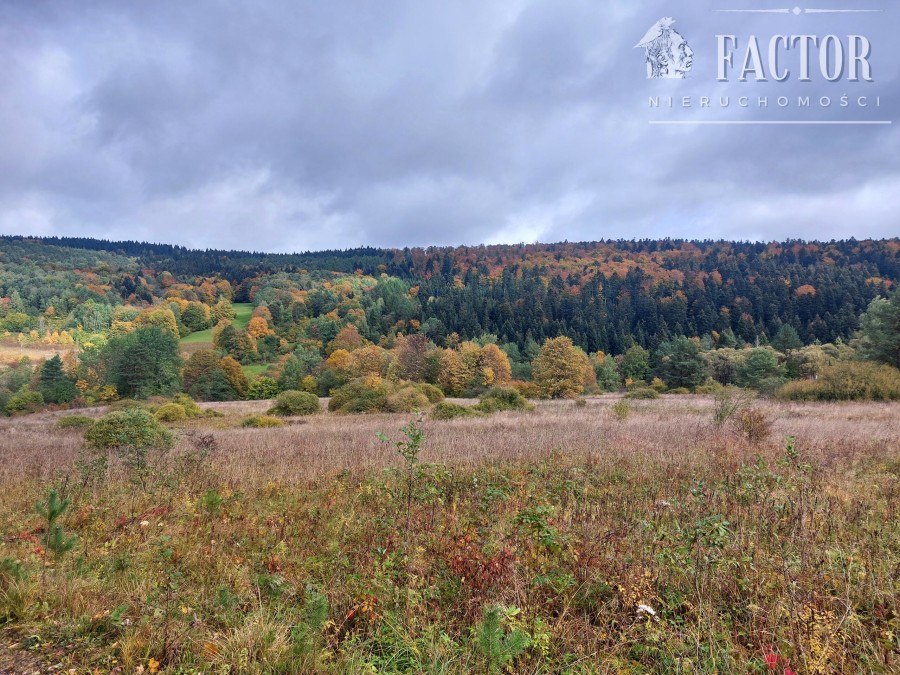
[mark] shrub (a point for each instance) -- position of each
(24, 401)
(262, 422)
(407, 399)
(262, 388)
(527, 389)
(621, 410)
(432, 393)
(191, 409)
(679, 390)
(451, 411)
(502, 398)
(642, 393)
(171, 412)
(658, 385)
(580, 403)
(363, 395)
(74, 422)
(133, 428)
(291, 403)
(754, 424)
(727, 401)
(847, 381)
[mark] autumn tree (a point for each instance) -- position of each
(561, 369)
(409, 357)
(494, 365)
(348, 338)
(258, 327)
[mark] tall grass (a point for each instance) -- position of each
(559, 540)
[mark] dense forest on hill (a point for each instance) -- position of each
(606, 296)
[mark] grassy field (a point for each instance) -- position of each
(242, 311)
(582, 539)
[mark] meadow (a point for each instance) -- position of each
(595, 537)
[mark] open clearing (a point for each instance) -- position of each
(242, 312)
(661, 543)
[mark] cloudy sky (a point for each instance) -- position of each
(301, 125)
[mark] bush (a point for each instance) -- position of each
(848, 381)
(406, 400)
(262, 422)
(432, 393)
(171, 412)
(291, 403)
(364, 395)
(74, 422)
(262, 389)
(755, 426)
(24, 401)
(642, 393)
(191, 409)
(580, 403)
(658, 385)
(502, 398)
(451, 411)
(527, 389)
(133, 428)
(679, 390)
(621, 410)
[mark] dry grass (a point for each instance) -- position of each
(670, 431)
(573, 516)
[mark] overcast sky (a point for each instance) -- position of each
(300, 125)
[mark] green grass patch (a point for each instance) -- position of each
(242, 312)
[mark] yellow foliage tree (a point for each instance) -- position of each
(371, 360)
(561, 370)
(494, 359)
(259, 327)
(452, 375)
(235, 375)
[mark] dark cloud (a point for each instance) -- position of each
(294, 125)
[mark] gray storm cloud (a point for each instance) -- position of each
(305, 125)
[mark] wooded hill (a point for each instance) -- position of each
(606, 295)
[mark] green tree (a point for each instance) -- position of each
(636, 364)
(142, 363)
(759, 368)
(607, 373)
(879, 330)
(684, 366)
(55, 386)
(787, 339)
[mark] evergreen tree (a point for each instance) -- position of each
(142, 363)
(684, 366)
(55, 386)
(880, 330)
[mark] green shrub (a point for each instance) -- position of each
(291, 403)
(679, 390)
(503, 398)
(407, 399)
(262, 388)
(580, 403)
(75, 422)
(24, 401)
(642, 393)
(133, 428)
(191, 409)
(433, 394)
(847, 381)
(363, 395)
(262, 422)
(451, 411)
(171, 412)
(621, 410)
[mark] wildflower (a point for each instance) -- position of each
(145, 523)
(646, 609)
(788, 671)
(771, 660)
(153, 665)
